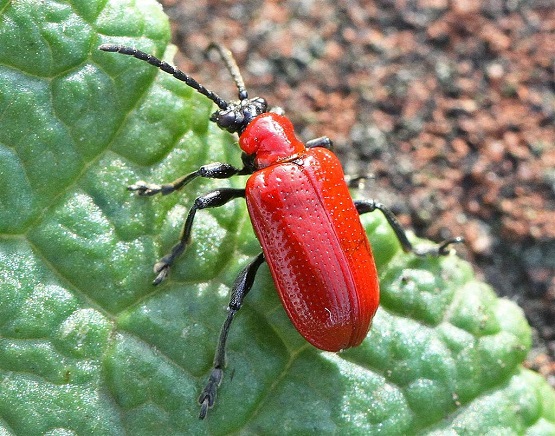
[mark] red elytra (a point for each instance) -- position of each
(310, 232)
(303, 215)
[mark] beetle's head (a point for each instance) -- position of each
(238, 114)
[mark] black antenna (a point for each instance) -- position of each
(178, 74)
(232, 67)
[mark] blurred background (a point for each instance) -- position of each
(448, 105)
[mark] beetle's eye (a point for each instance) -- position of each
(259, 106)
(262, 103)
(250, 112)
(256, 107)
(227, 120)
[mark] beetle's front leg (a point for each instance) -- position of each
(242, 285)
(441, 249)
(216, 198)
(216, 170)
(322, 141)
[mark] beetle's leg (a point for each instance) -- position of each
(216, 170)
(216, 198)
(241, 287)
(322, 141)
(357, 182)
(441, 249)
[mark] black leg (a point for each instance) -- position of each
(214, 170)
(441, 249)
(216, 198)
(241, 287)
(322, 141)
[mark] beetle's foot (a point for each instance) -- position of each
(162, 267)
(444, 249)
(144, 189)
(441, 249)
(208, 395)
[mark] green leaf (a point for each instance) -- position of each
(89, 346)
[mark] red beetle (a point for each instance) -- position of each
(303, 215)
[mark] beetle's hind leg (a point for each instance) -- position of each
(441, 249)
(241, 287)
(216, 170)
(216, 198)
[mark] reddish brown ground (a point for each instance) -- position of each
(450, 104)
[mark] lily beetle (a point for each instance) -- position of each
(303, 215)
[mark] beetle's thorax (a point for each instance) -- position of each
(270, 138)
